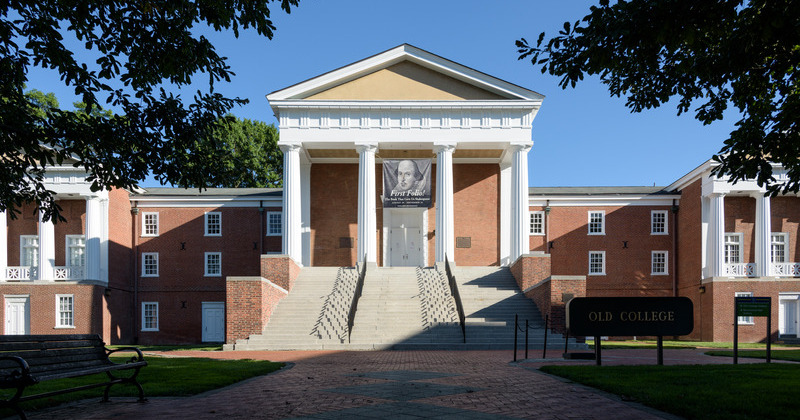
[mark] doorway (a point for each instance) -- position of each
(405, 245)
(788, 315)
(213, 322)
(18, 315)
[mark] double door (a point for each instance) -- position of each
(406, 238)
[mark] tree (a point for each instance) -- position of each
(254, 158)
(708, 54)
(139, 48)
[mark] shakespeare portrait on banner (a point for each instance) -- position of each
(407, 183)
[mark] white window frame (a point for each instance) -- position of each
(144, 316)
(537, 227)
(602, 222)
(279, 232)
(23, 247)
(144, 264)
(739, 243)
(68, 247)
(208, 273)
(744, 320)
(784, 243)
(59, 320)
(156, 229)
(653, 271)
(218, 214)
(653, 225)
(602, 255)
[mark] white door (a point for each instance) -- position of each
(406, 239)
(213, 322)
(18, 318)
(789, 317)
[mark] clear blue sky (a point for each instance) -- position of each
(582, 136)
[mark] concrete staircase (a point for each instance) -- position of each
(402, 308)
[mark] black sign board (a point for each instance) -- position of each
(627, 316)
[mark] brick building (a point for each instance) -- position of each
(166, 265)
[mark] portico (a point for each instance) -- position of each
(405, 103)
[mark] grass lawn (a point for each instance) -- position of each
(753, 391)
(161, 377)
(651, 344)
(790, 355)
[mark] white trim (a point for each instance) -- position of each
(215, 202)
(206, 273)
(530, 225)
(143, 272)
(58, 324)
(602, 201)
(589, 268)
(205, 223)
(144, 224)
(280, 214)
(666, 222)
(652, 263)
(589, 222)
(157, 316)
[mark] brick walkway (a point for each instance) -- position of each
(396, 385)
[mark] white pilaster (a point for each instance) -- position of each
(505, 210)
(445, 226)
(763, 229)
(520, 244)
(305, 223)
(94, 228)
(292, 202)
(47, 249)
(367, 225)
(3, 246)
(717, 234)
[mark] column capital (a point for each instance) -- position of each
(521, 146)
(439, 147)
(290, 147)
(759, 194)
(370, 147)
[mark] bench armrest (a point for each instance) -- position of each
(24, 372)
(138, 358)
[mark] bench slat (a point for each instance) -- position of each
(88, 371)
(34, 346)
(47, 338)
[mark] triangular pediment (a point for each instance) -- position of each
(405, 81)
(404, 73)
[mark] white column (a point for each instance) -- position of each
(763, 235)
(47, 249)
(3, 246)
(94, 228)
(305, 224)
(505, 211)
(367, 225)
(520, 244)
(717, 239)
(292, 210)
(445, 227)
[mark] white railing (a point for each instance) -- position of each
(791, 269)
(26, 273)
(69, 273)
(739, 270)
(22, 273)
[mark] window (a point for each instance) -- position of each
(29, 250)
(150, 264)
(76, 250)
(214, 224)
(778, 247)
(537, 223)
(149, 316)
(658, 260)
(658, 222)
(274, 223)
(733, 246)
(65, 316)
(597, 223)
(213, 264)
(597, 262)
(150, 224)
(745, 320)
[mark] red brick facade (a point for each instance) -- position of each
(250, 302)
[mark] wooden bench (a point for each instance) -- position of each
(26, 360)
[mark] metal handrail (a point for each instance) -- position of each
(451, 280)
(351, 316)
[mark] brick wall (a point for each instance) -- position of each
(334, 194)
(476, 213)
(280, 270)
(88, 303)
(740, 217)
(250, 302)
